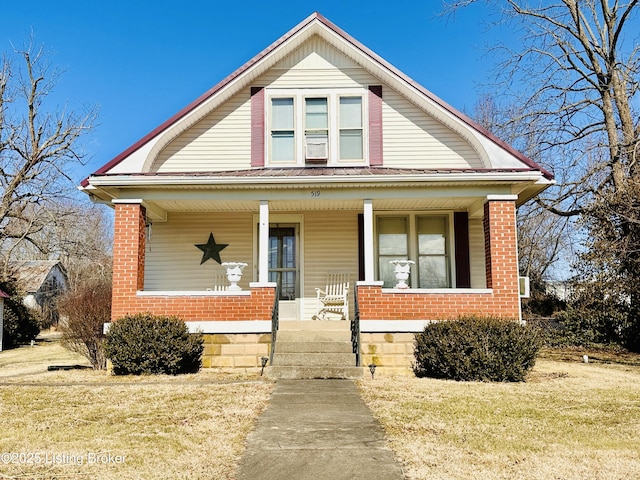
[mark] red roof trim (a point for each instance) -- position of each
(315, 16)
(274, 172)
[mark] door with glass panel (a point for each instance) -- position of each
(284, 268)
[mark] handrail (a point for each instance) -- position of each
(275, 323)
(355, 329)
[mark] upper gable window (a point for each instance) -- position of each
(316, 128)
(351, 131)
(282, 130)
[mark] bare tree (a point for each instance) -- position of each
(545, 240)
(37, 148)
(575, 76)
(86, 308)
(78, 234)
(577, 67)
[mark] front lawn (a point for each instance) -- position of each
(570, 420)
(86, 424)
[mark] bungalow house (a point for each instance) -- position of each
(316, 157)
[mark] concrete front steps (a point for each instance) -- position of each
(314, 349)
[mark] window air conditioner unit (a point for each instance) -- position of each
(316, 149)
(523, 283)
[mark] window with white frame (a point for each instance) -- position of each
(282, 130)
(306, 126)
(421, 238)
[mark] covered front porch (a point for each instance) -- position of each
(290, 239)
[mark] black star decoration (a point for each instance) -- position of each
(211, 249)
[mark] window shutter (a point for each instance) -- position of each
(461, 232)
(375, 125)
(257, 126)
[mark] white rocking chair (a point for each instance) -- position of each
(219, 281)
(334, 299)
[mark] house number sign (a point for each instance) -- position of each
(315, 193)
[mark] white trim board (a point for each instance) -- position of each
(393, 326)
(192, 293)
(222, 327)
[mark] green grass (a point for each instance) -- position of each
(568, 421)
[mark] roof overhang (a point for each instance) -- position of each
(399, 190)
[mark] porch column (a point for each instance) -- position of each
(263, 235)
(128, 253)
(369, 260)
(501, 252)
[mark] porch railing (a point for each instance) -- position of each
(275, 323)
(355, 328)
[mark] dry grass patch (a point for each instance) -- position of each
(160, 427)
(569, 421)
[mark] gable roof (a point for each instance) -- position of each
(314, 24)
(33, 273)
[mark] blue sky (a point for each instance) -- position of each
(140, 62)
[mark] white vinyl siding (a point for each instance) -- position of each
(411, 137)
(220, 141)
(331, 245)
(172, 261)
(414, 139)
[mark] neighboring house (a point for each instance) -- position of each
(561, 289)
(316, 156)
(43, 281)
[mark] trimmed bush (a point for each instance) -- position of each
(149, 344)
(476, 349)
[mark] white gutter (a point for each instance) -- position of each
(183, 180)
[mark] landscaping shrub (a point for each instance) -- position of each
(595, 323)
(149, 344)
(85, 310)
(476, 349)
(20, 325)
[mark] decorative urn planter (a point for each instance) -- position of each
(234, 274)
(402, 270)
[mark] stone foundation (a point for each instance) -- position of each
(235, 350)
(392, 353)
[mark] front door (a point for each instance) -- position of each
(284, 268)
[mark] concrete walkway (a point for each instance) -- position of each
(317, 429)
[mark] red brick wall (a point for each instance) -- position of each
(502, 278)
(128, 278)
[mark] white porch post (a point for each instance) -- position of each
(263, 234)
(369, 263)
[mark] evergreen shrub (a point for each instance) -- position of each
(20, 325)
(149, 344)
(476, 349)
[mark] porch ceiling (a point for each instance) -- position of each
(308, 205)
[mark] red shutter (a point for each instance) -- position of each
(461, 232)
(257, 126)
(375, 125)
